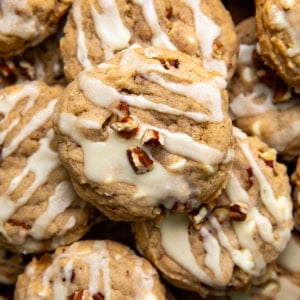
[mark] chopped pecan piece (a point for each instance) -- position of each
(126, 128)
(182, 207)
(8, 69)
(85, 295)
(124, 108)
(153, 138)
(18, 223)
(238, 211)
(199, 216)
(139, 160)
(269, 157)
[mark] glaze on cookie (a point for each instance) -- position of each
(39, 208)
(90, 270)
(96, 30)
(147, 129)
(218, 249)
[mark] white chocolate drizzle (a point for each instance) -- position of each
(82, 52)
(246, 254)
(9, 101)
(106, 162)
(38, 120)
(63, 196)
(41, 164)
(110, 28)
(207, 32)
(16, 24)
(159, 38)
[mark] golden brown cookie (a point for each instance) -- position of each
(147, 129)
(90, 270)
(25, 23)
(216, 249)
(39, 208)
(261, 103)
(279, 37)
(96, 30)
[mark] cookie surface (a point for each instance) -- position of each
(260, 102)
(25, 23)
(199, 28)
(90, 270)
(147, 128)
(279, 36)
(39, 208)
(233, 242)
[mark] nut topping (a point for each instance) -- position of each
(199, 217)
(126, 128)
(238, 211)
(153, 138)
(85, 295)
(139, 160)
(269, 157)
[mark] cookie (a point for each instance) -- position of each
(39, 208)
(214, 250)
(26, 23)
(90, 270)
(279, 35)
(147, 129)
(261, 103)
(42, 62)
(96, 30)
(11, 265)
(295, 179)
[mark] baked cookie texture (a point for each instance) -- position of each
(215, 250)
(96, 30)
(11, 265)
(295, 179)
(261, 103)
(42, 62)
(26, 23)
(39, 208)
(90, 270)
(145, 130)
(279, 35)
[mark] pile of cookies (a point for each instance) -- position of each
(149, 150)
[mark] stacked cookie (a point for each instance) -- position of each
(133, 111)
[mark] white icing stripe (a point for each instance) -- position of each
(63, 196)
(175, 241)
(213, 255)
(145, 281)
(37, 121)
(205, 93)
(245, 54)
(107, 162)
(14, 23)
(97, 260)
(41, 164)
(289, 259)
(242, 258)
(159, 38)
(207, 32)
(278, 208)
(82, 53)
(5, 132)
(9, 101)
(70, 224)
(110, 28)
(106, 96)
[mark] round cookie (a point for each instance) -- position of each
(39, 208)
(261, 103)
(11, 265)
(42, 62)
(147, 129)
(96, 30)
(279, 36)
(222, 248)
(90, 270)
(26, 23)
(295, 179)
